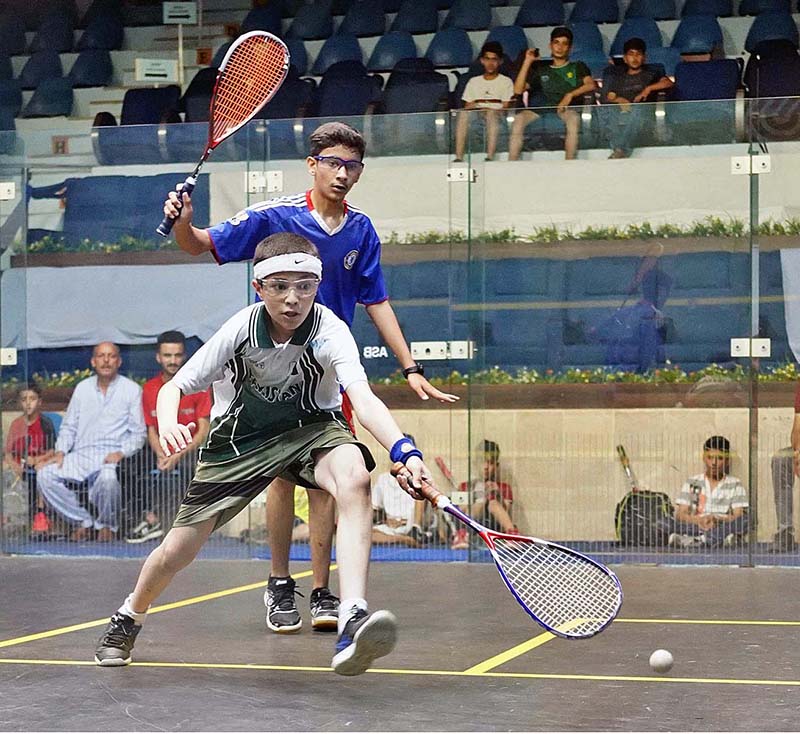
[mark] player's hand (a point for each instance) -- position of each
(409, 476)
(175, 438)
(425, 390)
(179, 206)
(114, 457)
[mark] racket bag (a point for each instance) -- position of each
(644, 518)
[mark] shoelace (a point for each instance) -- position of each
(284, 597)
(324, 599)
(118, 635)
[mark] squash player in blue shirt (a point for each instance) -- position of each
(351, 251)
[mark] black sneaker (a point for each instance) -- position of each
(115, 645)
(783, 542)
(282, 614)
(324, 609)
(145, 531)
(364, 638)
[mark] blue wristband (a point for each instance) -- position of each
(403, 450)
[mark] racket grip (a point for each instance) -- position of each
(167, 222)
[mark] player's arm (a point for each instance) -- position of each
(383, 316)
(173, 436)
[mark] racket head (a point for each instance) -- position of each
(250, 74)
(566, 592)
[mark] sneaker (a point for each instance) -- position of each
(282, 614)
(324, 609)
(783, 542)
(364, 638)
(732, 540)
(115, 645)
(677, 540)
(460, 540)
(145, 531)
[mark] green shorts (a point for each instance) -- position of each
(224, 489)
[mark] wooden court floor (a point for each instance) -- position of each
(468, 658)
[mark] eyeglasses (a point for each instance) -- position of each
(334, 163)
(279, 288)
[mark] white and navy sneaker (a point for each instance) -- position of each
(115, 644)
(282, 614)
(324, 609)
(364, 638)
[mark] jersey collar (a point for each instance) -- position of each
(320, 221)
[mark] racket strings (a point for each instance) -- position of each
(252, 74)
(564, 591)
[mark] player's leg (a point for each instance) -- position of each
(362, 636)
(178, 550)
(572, 123)
(522, 119)
(322, 521)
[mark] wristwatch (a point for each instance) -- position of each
(415, 369)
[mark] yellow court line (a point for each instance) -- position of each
(154, 610)
(745, 622)
(411, 671)
(514, 652)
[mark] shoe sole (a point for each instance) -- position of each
(112, 662)
(285, 629)
(325, 623)
(376, 638)
(151, 536)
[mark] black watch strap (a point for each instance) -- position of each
(415, 369)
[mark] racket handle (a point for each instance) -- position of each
(427, 490)
(167, 222)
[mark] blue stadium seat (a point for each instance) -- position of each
(771, 27)
(99, 7)
(340, 7)
(444, 4)
(416, 16)
(471, 15)
(391, 6)
(772, 82)
(298, 54)
(196, 100)
(6, 70)
(263, 18)
(600, 11)
(587, 40)
(40, 66)
(11, 96)
(104, 31)
(707, 80)
(346, 90)
(644, 28)
(8, 135)
(147, 105)
(756, 7)
(714, 83)
(92, 68)
(450, 47)
(219, 54)
(655, 9)
(540, 12)
(718, 8)
(341, 47)
(312, 22)
(52, 98)
(667, 57)
(391, 47)
(511, 37)
(12, 35)
(697, 34)
(56, 33)
(294, 99)
(364, 18)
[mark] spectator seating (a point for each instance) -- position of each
(772, 82)
(40, 66)
(770, 27)
(8, 135)
(105, 30)
(511, 37)
(6, 70)
(697, 34)
(599, 11)
(416, 16)
(667, 57)
(644, 28)
(52, 98)
(56, 33)
(92, 68)
(196, 100)
(10, 96)
(391, 48)
(263, 18)
(587, 46)
(346, 90)
(364, 18)
(12, 35)
(450, 47)
(219, 54)
(297, 52)
(147, 105)
(719, 8)
(471, 15)
(655, 9)
(312, 22)
(540, 13)
(756, 7)
(339, 47)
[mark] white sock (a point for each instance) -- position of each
(346, 609)
(127, 609)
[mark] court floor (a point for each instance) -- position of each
(468, 658)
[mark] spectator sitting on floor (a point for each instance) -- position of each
(491, 499)
(102, 425)
(402, 515)
(29, 444)
(710, 509)
(195, 408)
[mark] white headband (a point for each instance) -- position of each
(293, 262)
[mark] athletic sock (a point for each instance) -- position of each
(127, 609)
(346, 609)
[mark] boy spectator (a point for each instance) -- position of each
(30, 444)
(196, 408)
(625, 86)
(710, 509)
(561, 82)
(491, 498)
(103, 424)
(490, 93)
